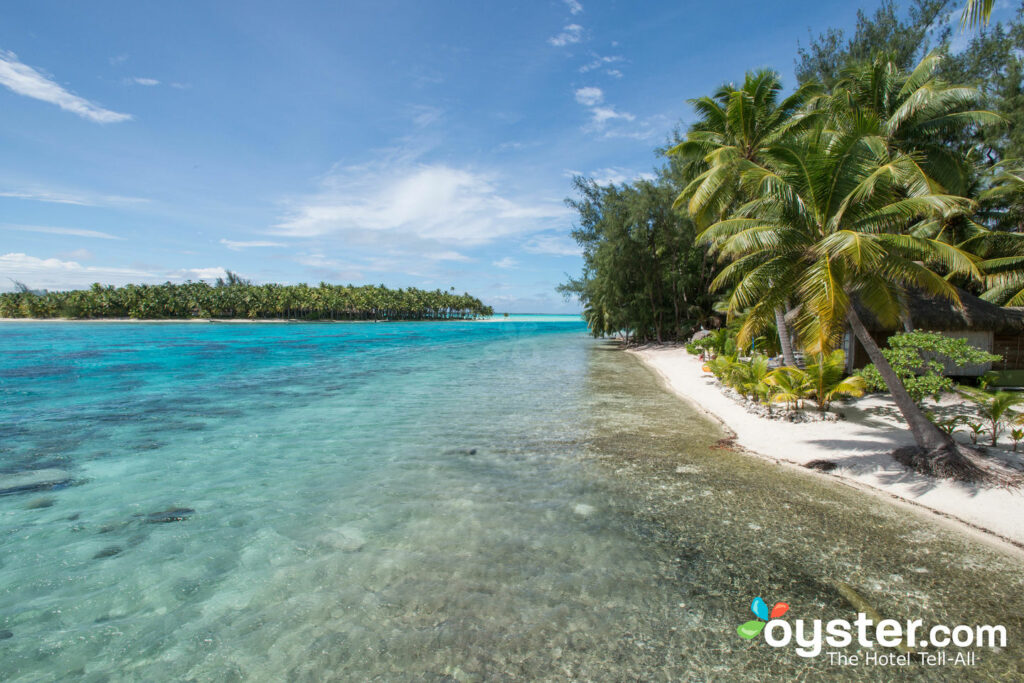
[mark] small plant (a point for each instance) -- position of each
(825, 374)
(792, 386)
(994, 408)
(949, 424)
(1016, 434)
(976, 430)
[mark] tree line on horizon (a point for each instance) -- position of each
(894, 165)
(235, 297)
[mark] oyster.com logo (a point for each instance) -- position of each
(759, 607)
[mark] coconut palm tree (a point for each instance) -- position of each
(828, 228)
(826, 376)
(735, 125)
(917, 113)
(976, 13)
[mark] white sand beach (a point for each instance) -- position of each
(860, 444)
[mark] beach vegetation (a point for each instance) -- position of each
(920, 359)
(995, 408)
(829, 381)
(235, 297)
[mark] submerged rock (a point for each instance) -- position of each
(346, 539)
(584, 510)
(40, 503)
(109, 551)
(5, 634)
(822, 465)
(169, 515)
(33, 480)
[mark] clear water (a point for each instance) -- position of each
(429, 502)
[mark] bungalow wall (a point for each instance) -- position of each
(1010, 347)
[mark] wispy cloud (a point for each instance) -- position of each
(575, 6)
(600, 61)
(600, 116)
(424, 115)
(589, 96)
(398, 203)
(80, 198)
(238, 246)
(573, 33)
(616, 176)
(54, 273)
(506, 263)
(614, 73)
(554, 244)
(145, 81)
(600, 113)
(26, 81)
(49, 230)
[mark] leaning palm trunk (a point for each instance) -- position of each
(936, 453)
(785, 339)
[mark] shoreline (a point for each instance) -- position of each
(860, 445)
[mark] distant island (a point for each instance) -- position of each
(234, 297)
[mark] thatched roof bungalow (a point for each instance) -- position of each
(985, 325)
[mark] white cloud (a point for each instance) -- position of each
(600, 61)
(77, 255)
(399, 204)
(181, 86)
(26, 81)
(238, 246)
(617, 176)
(589, 96)
(573, 33)
(446, 256)
(614, 73)
(49, 230)
(506, 263)
(198, 274)
(424, 116)
(575, 7)
(602, 115)
(52, 273)
(79, 198)
(145, 81)
(556, 245)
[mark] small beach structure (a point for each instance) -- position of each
(984, 325)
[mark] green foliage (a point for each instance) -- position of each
(977, 429)
(792, 386)
(949, 425)
(1016, 434)
(826, 374)
(887, 30)
(238, 298)
(642, 272)
(995, 408)
(919, 359)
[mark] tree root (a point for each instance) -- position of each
(960, 463)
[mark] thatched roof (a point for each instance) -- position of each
(939, 315)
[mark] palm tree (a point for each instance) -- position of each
(995, 408)
(826, 376)
(735, 126)
(828, 228)
(792, 386)
(976, 13)
(917, 113)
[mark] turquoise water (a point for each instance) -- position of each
(449, 501)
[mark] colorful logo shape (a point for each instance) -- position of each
(753, 627)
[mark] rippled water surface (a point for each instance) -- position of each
(432, 502)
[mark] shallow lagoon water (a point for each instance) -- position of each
(453, 501)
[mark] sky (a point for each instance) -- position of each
(418, 143)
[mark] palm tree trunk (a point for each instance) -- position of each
(785, 340)
(937, 453)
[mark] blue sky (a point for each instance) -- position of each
(416, 143)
